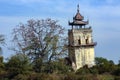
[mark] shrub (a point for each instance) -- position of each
(20, 77)
(117, 78)
(70, 76)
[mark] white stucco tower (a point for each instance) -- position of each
(81, 45)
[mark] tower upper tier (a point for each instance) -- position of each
(78, 19)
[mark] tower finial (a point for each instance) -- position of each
(78, 8)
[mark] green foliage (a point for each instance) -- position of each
(60, 67)
(105, 77)
(2, 41)
(21, 77)
(2, 68)
(117, 78)
(83, 71)
(1, 63)
(119, 63)
(37, 65)
(93, 70)
(59, 71)
(104, 66)
(44, 76)
(57, 67)
(18, 64)
(117, 71)
(1, 59)
(70, 76)
(87, 77)
(73, 76)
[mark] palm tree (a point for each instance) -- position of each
(2, 41)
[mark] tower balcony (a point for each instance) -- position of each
(84, 45)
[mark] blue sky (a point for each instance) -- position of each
(103, 15)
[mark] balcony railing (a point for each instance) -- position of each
(83, 45)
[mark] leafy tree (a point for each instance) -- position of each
(38, 65)
(43, 39)
(116, 72)
(62, 67)
(58, 66)
(83, 71)
(1, 63)
(2, 66)
(18, 64)
(21, 77)
(2, 41)
(118, 62)
(103, 65)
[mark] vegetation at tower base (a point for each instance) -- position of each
(104, 65)
(19, 67)
(18, 64)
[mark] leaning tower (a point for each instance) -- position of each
(80, 40)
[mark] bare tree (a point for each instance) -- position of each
(40, 39)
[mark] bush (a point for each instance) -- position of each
(93, 70)
(117, 72)
(20, 77)
(87, 77)
(70, 76)
(18, 64)
(83, 71)
(117, 78)
(44, 76)
(38, 76)
(105, 77)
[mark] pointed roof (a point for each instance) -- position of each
(78, 16)
(78, 19)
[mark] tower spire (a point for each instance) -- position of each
(78, 8)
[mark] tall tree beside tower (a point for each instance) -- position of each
(40, 39)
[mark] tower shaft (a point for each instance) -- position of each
(81, 45)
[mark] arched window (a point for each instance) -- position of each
(87, 40)
(79, 41)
